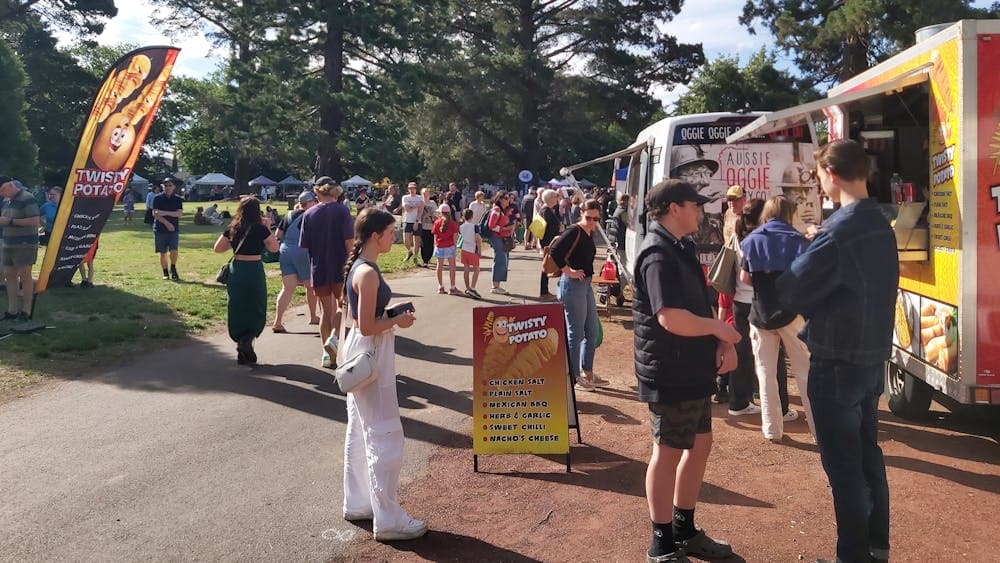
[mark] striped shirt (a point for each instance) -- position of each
(21, 206)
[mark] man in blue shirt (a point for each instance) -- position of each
(845, 286)
(167, 210)
(48, 211)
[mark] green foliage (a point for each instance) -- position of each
(85, 17)
(833, 40)
(18, 153)
(722, 85)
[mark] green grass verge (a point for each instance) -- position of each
(132, 310)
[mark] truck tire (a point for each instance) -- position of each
(908, 397)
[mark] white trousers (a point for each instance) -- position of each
(765, 351)
(373, 448)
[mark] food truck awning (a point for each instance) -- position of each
(634, 147)
(778, 120)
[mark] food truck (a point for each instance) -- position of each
(694, 148)
(929, 119)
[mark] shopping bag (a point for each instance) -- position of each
(537, 226)
(722, 274)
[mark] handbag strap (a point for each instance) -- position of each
(239, 246)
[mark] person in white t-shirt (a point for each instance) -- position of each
(471, 243)
(413, 207)
(478, 207)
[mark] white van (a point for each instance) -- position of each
(693, 148)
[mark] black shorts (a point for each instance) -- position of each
(411, 228)
(675, 424)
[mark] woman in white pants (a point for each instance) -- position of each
(768, 251)
(373, 448)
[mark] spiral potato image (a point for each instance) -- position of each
(498, 357)
(534, 355)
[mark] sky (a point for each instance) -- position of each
(714, 23)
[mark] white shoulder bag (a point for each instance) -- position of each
(359, 370)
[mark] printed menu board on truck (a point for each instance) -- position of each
(927, 329)
(520, 380)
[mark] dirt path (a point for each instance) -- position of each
(771, 501)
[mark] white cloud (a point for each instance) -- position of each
(133, 24)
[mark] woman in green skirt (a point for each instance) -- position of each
(248, 235)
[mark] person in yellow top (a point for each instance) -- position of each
(736, 199)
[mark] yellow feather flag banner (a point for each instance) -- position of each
(110, 143)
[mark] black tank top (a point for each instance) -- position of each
(384, 291)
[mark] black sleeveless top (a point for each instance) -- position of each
(384, 291)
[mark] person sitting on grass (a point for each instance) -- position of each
(471, 243)
(199, 217)
(444, 231)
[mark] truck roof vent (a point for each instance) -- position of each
(931, 30)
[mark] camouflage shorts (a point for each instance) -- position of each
(675, 424)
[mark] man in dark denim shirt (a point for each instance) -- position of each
(845, 285)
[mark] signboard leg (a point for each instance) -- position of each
(475, 463)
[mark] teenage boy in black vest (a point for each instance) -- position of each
(679, 349)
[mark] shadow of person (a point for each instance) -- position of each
(434, 354)
(448, 546)
(606, 412)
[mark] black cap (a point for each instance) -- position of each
(675, 191)
(5, 179)
(323, 180)
(170, 178)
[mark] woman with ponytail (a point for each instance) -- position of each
(373, 448)
(247, 236)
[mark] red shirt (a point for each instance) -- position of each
(444, 234)
(499, 223)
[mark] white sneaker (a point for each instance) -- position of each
(750, 409)
(583, 383)
(499, 290)
(790, 415)
(413, 529)
(331, 346)
(326, 361)
(597, 380)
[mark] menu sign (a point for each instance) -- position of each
(520, 380)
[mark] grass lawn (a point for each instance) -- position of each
(132, 310)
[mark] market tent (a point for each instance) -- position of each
(356, 182)
(262, 181)
(585, 183)
(214, 179)
(291, 182)
(138, 180)
(556, 182)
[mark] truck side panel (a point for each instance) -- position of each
(988, 201)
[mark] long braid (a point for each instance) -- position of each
(359, 243)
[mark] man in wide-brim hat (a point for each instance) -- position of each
(688, 163)
(798, 183)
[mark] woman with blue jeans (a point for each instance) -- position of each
(500, 227)
(574, 252)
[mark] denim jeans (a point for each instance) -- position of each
(500, 260)
(844, 399)
(544, 284)
(577, 297)
(741, 379)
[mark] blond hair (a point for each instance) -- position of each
(778, 207)
(332, 189)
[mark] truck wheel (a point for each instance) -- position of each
(909, 397)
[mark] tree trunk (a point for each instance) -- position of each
(855, 60)
(530, 158)
(242, 175)
(331, 120)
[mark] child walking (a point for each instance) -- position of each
(444, 231)
(471, 243)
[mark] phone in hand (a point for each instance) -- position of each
(399, 309)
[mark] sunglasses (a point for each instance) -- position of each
(591, 218)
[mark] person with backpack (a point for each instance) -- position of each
(768, 252)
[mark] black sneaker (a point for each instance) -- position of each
(8, 316)
(23, 317)
(675, 557)
(86, 284)
(173, 274)
(166, 274)
(704, 547)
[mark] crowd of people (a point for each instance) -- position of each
(689, 348)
